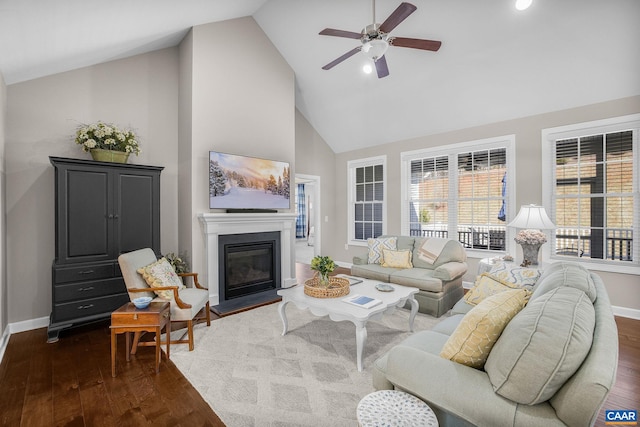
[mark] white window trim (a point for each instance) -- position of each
(615, 124)
(507, 141)
(351, 178)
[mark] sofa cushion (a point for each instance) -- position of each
(452, 251)
(522, 276)
(485, 286)
(448, 325)
(376, 246)
(373, 271)
(396, 259)
(404, 243)
(565, 274)
(543, 346)
(420, 278)
(480, 328)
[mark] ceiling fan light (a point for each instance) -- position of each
(367, 68)
(523, 4)
(375, 49)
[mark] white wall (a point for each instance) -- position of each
(242, 102)
(622, 288)
(42, 116)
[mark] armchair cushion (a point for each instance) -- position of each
(160, 274)
(479, 329)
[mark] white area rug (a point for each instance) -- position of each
(251, 375)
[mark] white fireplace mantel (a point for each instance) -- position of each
(216, 224)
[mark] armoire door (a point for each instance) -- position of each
(85, 215)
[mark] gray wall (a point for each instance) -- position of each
(4, 315)
(315, 157)
(42, 116)
(623, 288)
(240, 100)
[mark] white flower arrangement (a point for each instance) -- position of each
(530, 237)
(108, 137)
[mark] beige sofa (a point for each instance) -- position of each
(464, 396)
(440, 283)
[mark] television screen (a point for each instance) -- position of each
(241, 182)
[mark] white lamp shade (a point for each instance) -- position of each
(532, 216)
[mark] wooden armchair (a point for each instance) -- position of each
(190, 304)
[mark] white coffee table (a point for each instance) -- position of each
(338, 310)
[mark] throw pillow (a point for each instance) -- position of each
(161, 274)
(481, 327)
(396, 259)
(542, 347)
(376, 246)
(485, 286)
(519, 275)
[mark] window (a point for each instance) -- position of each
(460, 192)
(366, 199)
(593, 191)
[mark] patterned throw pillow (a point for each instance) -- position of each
(396, 259)
(160, 274)
(485, 286)
(376, 246)
(477, 332)
(519, 275)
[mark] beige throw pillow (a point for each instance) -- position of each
(396, 259)
(481, 327)
(161, 274)
(485, 286)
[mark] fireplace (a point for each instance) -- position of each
(249, 264)
(217, 226)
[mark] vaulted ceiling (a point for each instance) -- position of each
(496, 63)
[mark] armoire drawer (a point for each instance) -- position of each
(82, 273)
(90, 289)
(88, 307)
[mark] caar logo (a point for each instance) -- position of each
(620, 417)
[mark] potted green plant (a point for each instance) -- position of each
(178, 263)
(323, 265)
(106, 142)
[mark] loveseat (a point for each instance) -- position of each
(552, 365)
(439, 283)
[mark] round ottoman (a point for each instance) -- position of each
(394, 408)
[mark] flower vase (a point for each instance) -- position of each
(530, 253)
(323, 280)
(111, 156)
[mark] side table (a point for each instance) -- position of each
(394, 408)
(129, 319)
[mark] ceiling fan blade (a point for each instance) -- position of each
(398, 15)
(381, 67)
(433, 45)
(342, 58)
(340, 33)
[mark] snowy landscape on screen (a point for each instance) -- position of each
(240, 182)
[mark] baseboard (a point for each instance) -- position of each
(631, 313)
(4, 341)
(28, 325)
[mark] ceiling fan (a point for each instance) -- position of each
(375, 39)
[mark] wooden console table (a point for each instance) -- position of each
(129, 319)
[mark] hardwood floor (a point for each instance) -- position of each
(69, 383)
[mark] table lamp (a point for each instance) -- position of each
(532, 218)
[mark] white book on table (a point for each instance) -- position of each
(362, 301)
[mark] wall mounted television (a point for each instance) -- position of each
(242, 182)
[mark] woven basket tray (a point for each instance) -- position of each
(337, 287)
